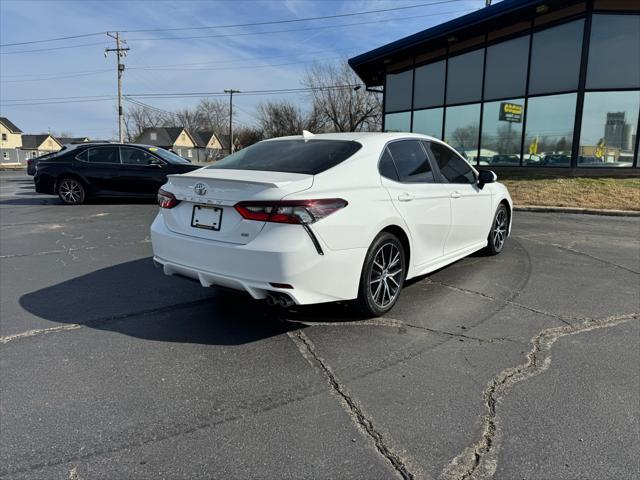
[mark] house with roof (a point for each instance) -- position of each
(177, 139)
(209, 145)
(34, 146)
(10, 141)
(71, 140)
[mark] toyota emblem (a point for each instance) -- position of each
(200, 188)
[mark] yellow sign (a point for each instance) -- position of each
(511, 112)
(533, 147)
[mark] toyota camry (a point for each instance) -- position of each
(329, 217)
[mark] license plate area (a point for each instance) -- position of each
(207, 217)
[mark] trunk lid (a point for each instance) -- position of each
(207, 198)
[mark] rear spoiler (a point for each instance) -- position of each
(234, 176)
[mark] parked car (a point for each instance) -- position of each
(32, 163)
(107, 170)
(505, 160)
(310, 219)
(556, 160)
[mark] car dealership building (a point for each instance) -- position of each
(521, 84)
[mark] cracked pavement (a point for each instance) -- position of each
(525, 365)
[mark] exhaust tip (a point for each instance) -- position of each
(279, 299)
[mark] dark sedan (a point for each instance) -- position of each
(107, 170)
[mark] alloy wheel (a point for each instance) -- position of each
(386, 275)
(499, 230)
(70, 191)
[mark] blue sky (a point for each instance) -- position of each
(249, 61)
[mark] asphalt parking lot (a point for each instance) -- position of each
(520, 366)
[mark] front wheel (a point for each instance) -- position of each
(71, 191)
(382, 276)
(499, 229)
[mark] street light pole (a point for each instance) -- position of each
(231, 92)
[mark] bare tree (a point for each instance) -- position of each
(248, 136)
(280, 118)
(213, 115)
(139, 117)
(340, 101)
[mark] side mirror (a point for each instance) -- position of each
(486, 176)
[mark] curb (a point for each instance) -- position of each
(584, 211)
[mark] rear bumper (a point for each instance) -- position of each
(44, 184)
(279, 254)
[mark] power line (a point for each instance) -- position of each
(56, 103)
(324, 27)
(89, 98)
(272, 22)
(83, 74)
(83, 35)
(54, 48)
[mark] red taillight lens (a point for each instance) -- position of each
(166, 199)
(290, 211)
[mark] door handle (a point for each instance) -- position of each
(405, 197)
(456, 194)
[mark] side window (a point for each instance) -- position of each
(386, 167)
(411, 161)
(84, 156)
(103, 155)
(135, 156)
(453, 168)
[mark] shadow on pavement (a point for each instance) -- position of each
(138, 300)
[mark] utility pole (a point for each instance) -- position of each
(120, 53)
(231, 92)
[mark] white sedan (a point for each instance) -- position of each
(329, 217)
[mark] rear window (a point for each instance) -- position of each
(291, 156)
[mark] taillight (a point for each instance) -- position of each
(290, 211)
(166, 199)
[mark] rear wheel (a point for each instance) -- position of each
(71, 191)
(499, 230)
(382, 276)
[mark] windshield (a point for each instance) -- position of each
(167, 155)
(291, 156)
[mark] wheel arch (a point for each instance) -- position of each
(509, 208)
(399, 232)
(73, 175)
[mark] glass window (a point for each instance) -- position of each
(462, 125)
(501, 132)
(609, 122)
(167, 155)
(428, 122)
(292, 156)
(103, 155)
(464, 78)
(555, 58)
(429, 87)
(453, 168)
(386, 167)
(397, 122)
(614, 52)
(549, 130)
(411, 161)
(398, 91)
(506, 73)
(135, 156)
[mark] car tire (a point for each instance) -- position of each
(71, 191)
(382, 276)
(499, 231)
